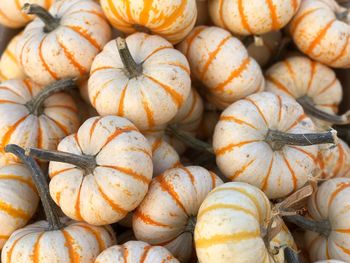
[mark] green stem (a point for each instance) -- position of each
(50, 22)
(324, 227)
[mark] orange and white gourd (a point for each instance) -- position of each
(167, 214)
(78, 32)
(11, 14)
(330, 204)
(136, 252)
(18, 199)
(116, 184)
(252, 17)
(149, 98)
(319, 33)
(9, 64)
(172, 20)
(222, 64)
(232, 223)
(241, 136)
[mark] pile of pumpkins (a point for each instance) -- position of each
(184, 131)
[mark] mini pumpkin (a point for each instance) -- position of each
(254, 17)
(233, 226)
(222, 64)
(9, 64)
(172, 20)
(142, 78)
(167, 215)
(321, 30)
(277, 127)
(63, 42)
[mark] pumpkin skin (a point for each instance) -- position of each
(11, 14)
(165, 77)
(173, 198)
(172, 20)
(253, 17)
(239, 140)
(319, 34)
(9, 64)
(136, 252)
(221, 63)
(118, 183)
(69, 50)
(330, 202)
(77, 242)
(18, 199)
(59, 117)
(229, 226)
(300, 76)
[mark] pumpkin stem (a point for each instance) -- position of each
(189, 139)
(134, 70)
(51, 23)
(85, 162)
(35, 104)
(290, 255)
(321, 227)
(191, 224)
(41, 184)
(311, 110)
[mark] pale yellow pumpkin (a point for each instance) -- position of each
(167, 215)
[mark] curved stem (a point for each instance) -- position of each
(130, 65)
(311, 110)
(35, 104)
(86, 162)
(323, 227)
(41, 184)
(290, 255)
(50, 22)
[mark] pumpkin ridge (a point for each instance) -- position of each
(342, 52)
(36, 255)
(321, 34)
(192, 37)
(238, 121)
(147, 109)
(60, 171)
(96, 234)
(219, 239)
(17, 178)
(84, 34)
(275, 24)
(299, 19)
(148, 220)
(327, 87)
(292, 172)
(279, 99)
(46, 66)
(58, 124)
(339, 189)
(146, 249)
(178, 12)
(225, 206)
(230, 147)
(10, 131)
(73, 255)
(279, 85)
(14, 212)
(121, 102)
(129, 172)
(241, 171)
(267, 176)
(242, 15)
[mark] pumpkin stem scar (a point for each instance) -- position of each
(290, 255)
(35, 104)
(191, 224)
(133, 69)
(322, 227)
(41, 184)
(189, 139)
(310, 109)
(51, 23)
(85, 162)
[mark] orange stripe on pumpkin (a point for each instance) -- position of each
(279, 85)
(147, 219)
(243, 17)
(59, 125)
(170, 20)
(145, 13)
(258, 109)
(46, 66)
(12, 128)
(20, 179)
(86, 35)
(221, 13)
(343, 51)
(93, 127)
(279, 99)
(72, 251)
(275, 24)
(238, 121)
(226, 238)
(121, 101)
(53, 174)
(241, 171)
(117, 132)
(229, 147)
(226, 206)
(144, 255)
(321, 34)
(96, 234)
(267, 176)
(328, 86)
(296, 22)
(148, 110)
(36, 250)
(156, 144)
(190, 39)
(130, 172)
(156, 51)
(14, 212)
(340, 187)
(292, 172)
(11, 56)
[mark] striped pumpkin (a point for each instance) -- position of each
(150, 99)
(76, 242)
(253, 17)
(172, 20)
(67, 51)
(243, 154)
(11, 14)
(167, 214)
(136, 252)
(222, 64)
(57, 118)
(230, 227)
(9, 64)
(330, 203)
(118, 183)
(18, 199)
(318, 32)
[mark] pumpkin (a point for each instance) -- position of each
(255, 141)
(53, 240)
(203, 12)
(172, 20)
(319, 31)
(147, 83)
(222, 64)
(232, 226)
(63, 42)
(330, 261)
(18, 199)
(11, 14)
(167, 215)
(9, 64)
(31, 116)
(312, 84)
(254, 17)
(136, 252)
